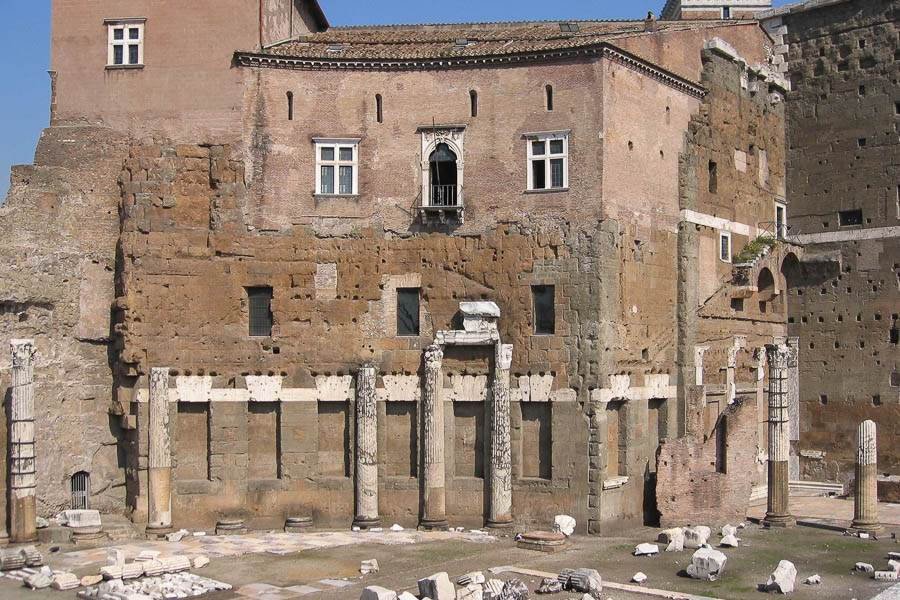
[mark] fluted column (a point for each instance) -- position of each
(22, 512)
(865, 513)
(778, 511)
(366, 450)
(501, 473)
(434, 514)
(160, 456)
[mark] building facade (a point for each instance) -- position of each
(472, 273)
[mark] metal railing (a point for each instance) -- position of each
(446, 196)
(779, 231)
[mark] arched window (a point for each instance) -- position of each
(290, 106)
(443, 175)
(379, 109)
(549, 90)
(473, 98)
(765, 286)
(81, 490)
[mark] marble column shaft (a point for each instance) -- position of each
(501, 470)
(434, 505)
(22, 465)
(366, 449)
(865, 513)
(160, 456)
(778, 511)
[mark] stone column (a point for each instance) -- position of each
(778, 512)
(160, 457)
(434, 513)
(22, 512)
(366, 450)
(501, 470)
(865, 513)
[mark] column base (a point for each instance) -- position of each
(864, 527)
(154, 532)
(500, 524)
(771, 520)
(433, 525)
(364, 523)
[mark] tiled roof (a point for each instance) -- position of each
(459, 41)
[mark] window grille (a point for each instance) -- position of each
(260, 300)
(81, 490)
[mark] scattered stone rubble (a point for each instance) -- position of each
(493, 588)
(550, 585)
(437, 587)
(165, 587)
(673, 538)
(707, 564)
(865, 567)
(376, 592)
(696, 536)
(582, 580)
(729, 541)
(564, 524)
(470, 578)
(368, 566)
(639, 577)
(783, 578)
(646, 550)
(813, 579)
(17, 558)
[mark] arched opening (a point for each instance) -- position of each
(442, 172)
(765, 286)
(290, 106)
(473, 99)
(379, 109)
(722, 445)
(81, 490)
(549, 90)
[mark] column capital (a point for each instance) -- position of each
(778, 355)
(434, 356)
(866, 444)
(23, 352)
(159, 375)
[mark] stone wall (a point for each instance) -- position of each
(842, 119)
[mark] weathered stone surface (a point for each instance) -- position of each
(782, 579)
(514, 589)
(646, 550)
(368, 566)
(864, 567)
(813, 579)
(469, 578)
(639, 577)
(583, 580)
(437, 587)
(374, 592)
(695, 537)
(729, 541)
(492, 589)
(550, 585)
(564, 524)
(707, 564)
(472, 591)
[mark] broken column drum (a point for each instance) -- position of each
(434, 506)
(501, 474)
(160, 456)
(366, 450)
(22, 513)
(778, 512)
(865, 513)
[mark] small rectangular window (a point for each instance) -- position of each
(407, 311)
(125, 42)
(543, 297)
(713, 178)
(548, 160)
(337, 158)
(725, 247)
(780, 220)
(850, 217)
(260, 303)
(726, 12)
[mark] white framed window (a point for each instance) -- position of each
(337, 166)
(125, 42)
(725, 246)
(548, 160)
(780, 220)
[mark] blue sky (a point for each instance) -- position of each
(25, 42)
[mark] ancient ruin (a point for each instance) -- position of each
(472, 274)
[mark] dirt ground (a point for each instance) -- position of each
(812, 549)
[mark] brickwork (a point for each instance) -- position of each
(842, 119)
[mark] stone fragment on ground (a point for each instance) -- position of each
(564, 524)
(472, 591)
(469, 578)
(782, 578)
(368, 566)
(550, 585)
(729, 541)
(813, 579)
(696, 536)
(89, 580)
(667, 536)
(894, 565)
(65, 581)
(406, 596)
(396, 527)
(582, 580)
(177, 535)
(639, 577)
(707, 564)
(165, 587)
(887, 576)
(437, 587)
(728, 530)
(376, 592)
(492, 589)
(864, 567)
(198, 562)
(38, 581)
(646, 550)
(894, 555)
(514, 589)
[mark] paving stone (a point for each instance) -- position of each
(338, 583)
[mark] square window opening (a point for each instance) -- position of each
(125, 43)
(848, 218)
(337, 170)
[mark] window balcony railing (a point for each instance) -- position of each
(441, 200)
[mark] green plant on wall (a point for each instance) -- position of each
(754, 249)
